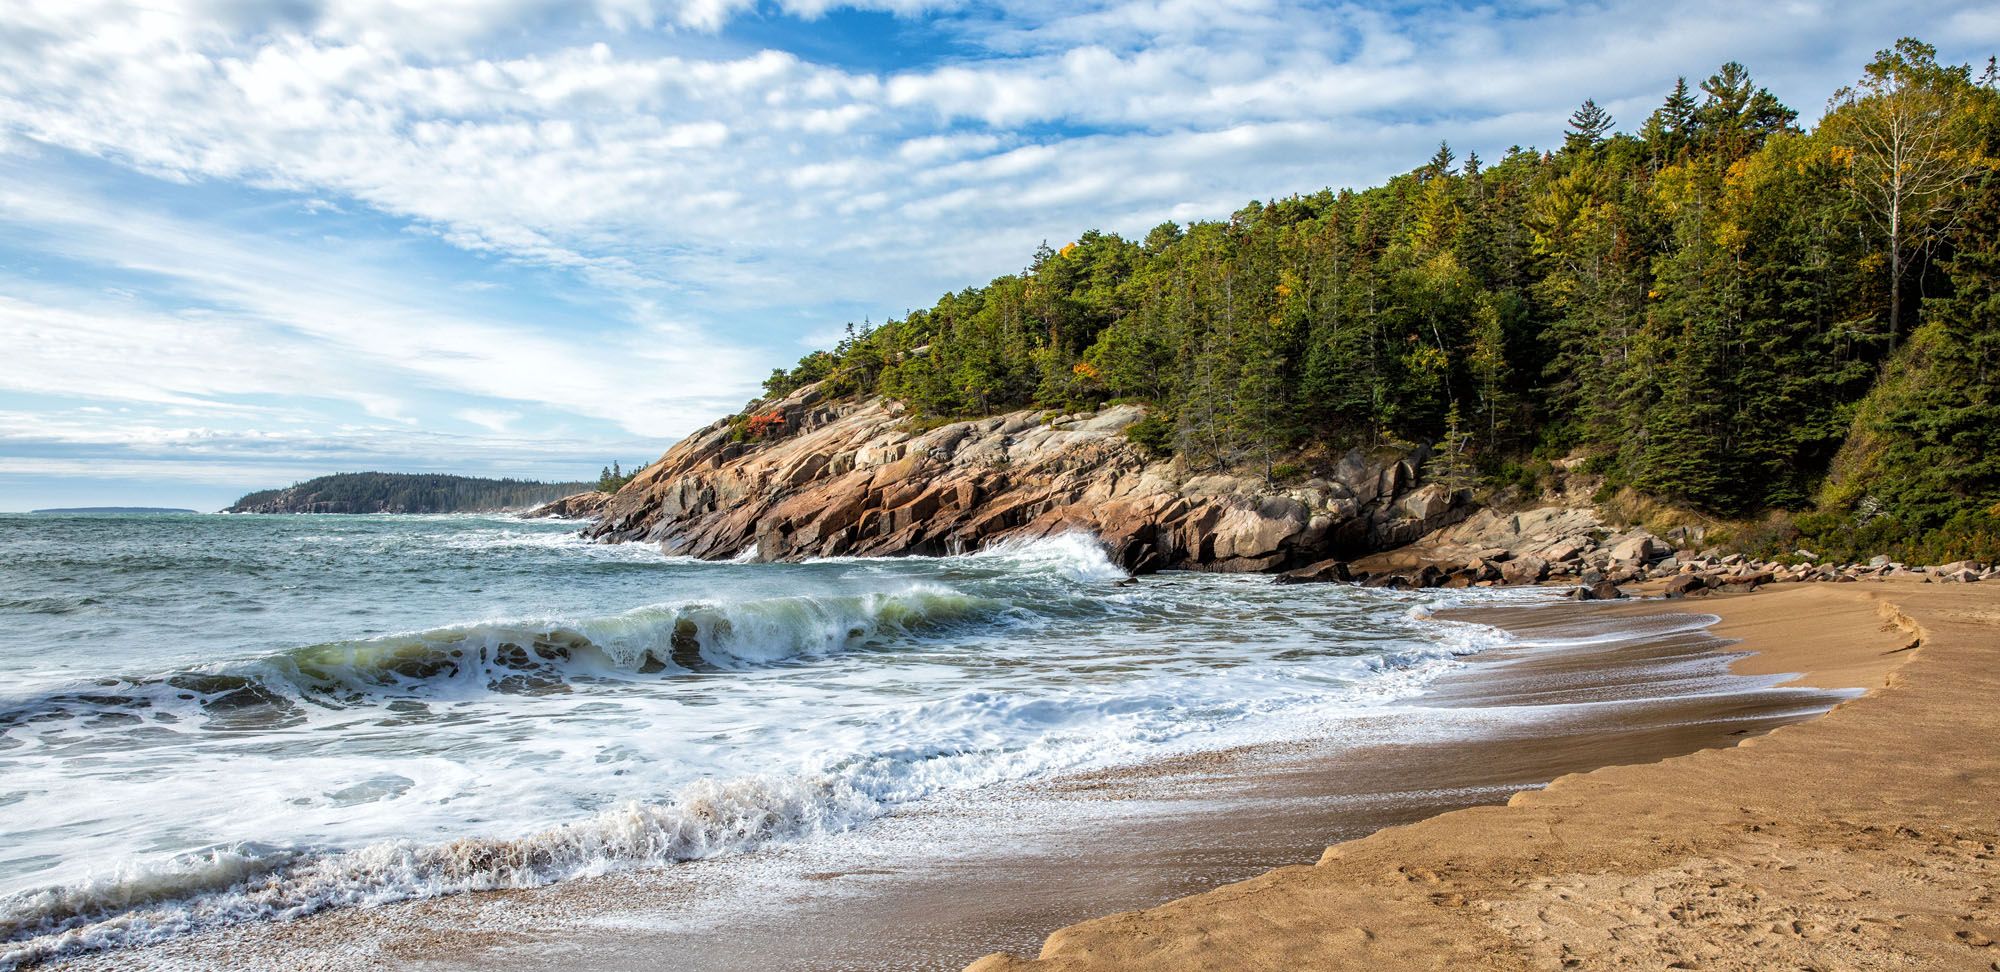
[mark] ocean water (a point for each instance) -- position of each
(211, 719)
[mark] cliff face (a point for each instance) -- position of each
(850, 479)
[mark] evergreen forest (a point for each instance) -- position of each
(1794, 329)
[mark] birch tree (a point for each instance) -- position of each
(1904, 133)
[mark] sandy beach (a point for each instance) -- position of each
(1865, 839)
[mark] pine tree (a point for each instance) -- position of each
(1440, 163)
(1700, 308)
(1450, 464)
(1587, 127)
(1670, 130)
(1737, 116)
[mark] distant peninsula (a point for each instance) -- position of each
(378, 492)
(114, 509)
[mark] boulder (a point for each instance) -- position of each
(1524, 570)
(576, 506)
(1427, 503)
(1641, 549)
(1687, 585)
(1567, 549)
(1600, 591)
(1324, 572)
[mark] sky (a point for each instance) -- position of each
(247, 242)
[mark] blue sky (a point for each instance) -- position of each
(244, 243)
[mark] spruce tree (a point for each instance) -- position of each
(1587, 127)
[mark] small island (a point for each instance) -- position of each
(380, 492)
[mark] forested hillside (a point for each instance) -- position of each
(1716, 307)
(375, 492)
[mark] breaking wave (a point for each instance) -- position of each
(146, 902)
(1076, 556)
(1010, 663)
(528, 658)
(149, 903)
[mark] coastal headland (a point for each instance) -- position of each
(855, 477)
(1863, 839)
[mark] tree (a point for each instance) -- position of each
(1737, 116)
(1440, 162)
(1450, 464)
(1587, 126)
(1910, 148)
(1698, 309)
(1670, 130)
(1926, 447)
(612, 479)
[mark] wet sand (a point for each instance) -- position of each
(939, 887)
(1866, 839)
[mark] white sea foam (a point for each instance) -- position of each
(970, 748)
(756, 704)
(1077, 556)
(1074, 556)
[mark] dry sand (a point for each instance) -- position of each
(1862, 840)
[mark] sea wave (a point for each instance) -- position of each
(978, 737)
(534, 656)
(54, 604)
(1076, 556)
(1116, 698)
(1073, 556)
(148, 903)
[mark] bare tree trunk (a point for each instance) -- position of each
(1895, 274)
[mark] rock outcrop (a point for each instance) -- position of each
(853, 478)
(1573, 546)
(576, 506)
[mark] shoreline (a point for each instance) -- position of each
(1863, 838)
(1078, 846)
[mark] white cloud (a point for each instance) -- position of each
(698, 185)
(492, 420)
(302, 323)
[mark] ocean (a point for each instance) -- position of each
(211, 720)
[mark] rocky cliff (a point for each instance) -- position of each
(585, 505)
(829, 478)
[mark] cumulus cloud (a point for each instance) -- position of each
(694, 182)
